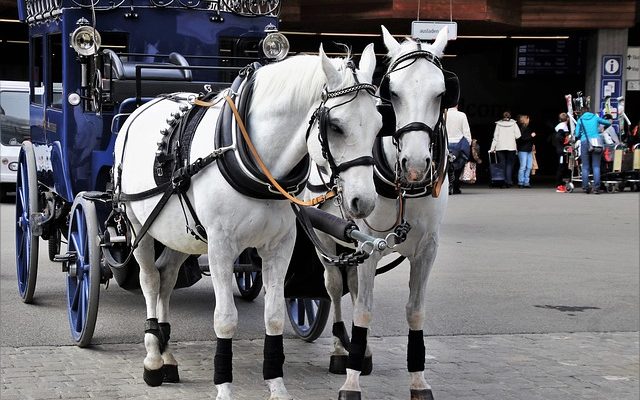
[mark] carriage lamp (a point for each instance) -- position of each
(73, 99)
(85, 40)
(275, 46)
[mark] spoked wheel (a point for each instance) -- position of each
(27, 243)
(249, 282)
(83, 273)
(308, 316)
(54, 244)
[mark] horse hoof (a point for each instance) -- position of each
(421, 394)
(153, 377)
(338, 364)
(367, 365)
(170, 373)
(349, 395)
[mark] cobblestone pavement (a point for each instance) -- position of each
(498, 367)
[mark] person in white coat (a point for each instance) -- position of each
(459, 135)
(504, 144)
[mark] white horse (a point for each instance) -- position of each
(285, 96)
(416, 86)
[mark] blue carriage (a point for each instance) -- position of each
(92, 62)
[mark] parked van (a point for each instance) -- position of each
(14, 128)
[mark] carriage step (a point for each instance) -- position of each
(65, 259)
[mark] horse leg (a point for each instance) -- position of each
(168, 264)
(420, 268)
(341, 342)
(274, 268)
(362, 313)
(340, 354)
(225, 316)
(150, 284)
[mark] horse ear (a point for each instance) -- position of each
(334, 79)
(367, 63)
(390, 42)
(441, 41)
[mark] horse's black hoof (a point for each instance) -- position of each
(153, 377)
(367, 365)
(170, 373)
(349, 395)
(338, 364)
(421, 394)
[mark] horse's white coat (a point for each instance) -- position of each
(285, 96)
(417, 89)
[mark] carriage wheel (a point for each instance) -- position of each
(249, 282)
(83, 274)
(54, 244)
(308, 316)
(27, 243)
(610, 187)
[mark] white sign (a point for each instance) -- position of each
(633, 86)
(612, 67)
(633, 63)
(428, 30)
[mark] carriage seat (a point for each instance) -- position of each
(126, 70)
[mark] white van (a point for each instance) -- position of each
(14, 128)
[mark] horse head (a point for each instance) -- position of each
(414, 84)
(346, 124)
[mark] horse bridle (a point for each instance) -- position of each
(437, 134)
(321, 116)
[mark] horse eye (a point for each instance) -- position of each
(336, 128)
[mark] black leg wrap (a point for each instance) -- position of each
(222, 362)
(421, 394)
(415, 351)
(165, 330)
(170, 373)
(153, 377)
(367, 365)
(273, 357)
(340, 331)
(349, 395)
(151, 326)
(358, 346)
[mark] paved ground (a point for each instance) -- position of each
(498, 367)
(515, 267)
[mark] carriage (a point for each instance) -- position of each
(92, 62)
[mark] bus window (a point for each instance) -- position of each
(37, 65)
(55, 63)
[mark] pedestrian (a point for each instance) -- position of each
(559, 141)
(504, 145)
(588, 134)
(459, 135)
(525, 151)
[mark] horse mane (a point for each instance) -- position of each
(296, 83)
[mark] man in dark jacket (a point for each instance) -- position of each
(525, 151)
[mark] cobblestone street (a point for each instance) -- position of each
(524, 367)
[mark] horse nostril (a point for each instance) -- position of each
(403, 164)
(355, 204)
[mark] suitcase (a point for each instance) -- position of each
(496, 169)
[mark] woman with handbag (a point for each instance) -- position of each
(591, 145)
(504, 144)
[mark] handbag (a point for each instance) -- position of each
(468, 173)
(594, 145)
